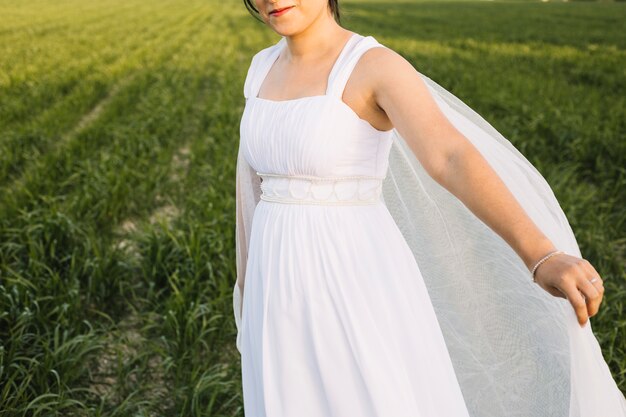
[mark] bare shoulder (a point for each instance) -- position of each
(386, 69)
(381, 63)
(393, 81)
(359, 92)
(378, 80)
(384, 58)
(403, 94)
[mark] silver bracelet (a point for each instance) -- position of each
(542, 260)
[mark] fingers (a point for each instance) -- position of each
(577, 301)
(584, 295)
(592, 273)
(593, 292)
(591, 295)
(570, 279)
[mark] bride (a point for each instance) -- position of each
(510, 289)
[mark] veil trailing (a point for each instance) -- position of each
(517, 350)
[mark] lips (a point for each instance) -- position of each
(279, 10)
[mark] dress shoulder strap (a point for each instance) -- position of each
(259, 67)
(342, 70)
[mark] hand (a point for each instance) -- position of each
(568, 277)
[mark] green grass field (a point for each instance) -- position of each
(119, 127)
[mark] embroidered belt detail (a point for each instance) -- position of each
(308, 189)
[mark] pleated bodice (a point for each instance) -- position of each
(316, 135)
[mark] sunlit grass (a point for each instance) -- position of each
(119, 125)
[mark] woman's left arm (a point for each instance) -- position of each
(453, 161)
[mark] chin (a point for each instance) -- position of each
(285, 29)
(287, 25)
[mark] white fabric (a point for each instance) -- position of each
(336, 317)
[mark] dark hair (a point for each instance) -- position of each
(333, 4)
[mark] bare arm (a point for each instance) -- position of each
(453, 161)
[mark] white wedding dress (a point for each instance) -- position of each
(351, 308)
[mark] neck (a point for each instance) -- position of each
(317, 41)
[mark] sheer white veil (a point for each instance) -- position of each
(517, 350)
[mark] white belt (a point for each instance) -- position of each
(306, 189)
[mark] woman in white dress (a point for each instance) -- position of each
(389, 241)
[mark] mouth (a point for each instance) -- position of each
(279, 11)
